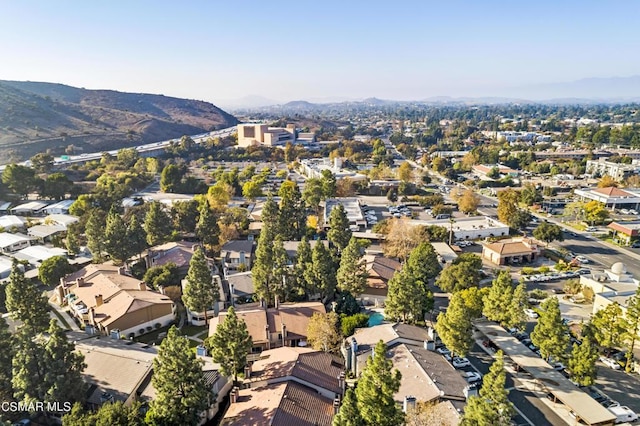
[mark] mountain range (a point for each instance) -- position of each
(35, 117)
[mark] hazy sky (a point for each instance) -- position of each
(285, 50)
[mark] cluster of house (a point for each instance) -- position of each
(29, 240)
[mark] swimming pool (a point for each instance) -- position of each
(376, 318)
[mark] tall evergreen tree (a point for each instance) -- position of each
(94, 231)
(303, 264)
(423, 263)
(178, 379)
(116, 243)
(25, 302)
(498, 302)
(408, 299)
(582, 362)
(492, 407)
(201, 291)
(323, 272)
(376, 388)
(550, 334)
(230, 345)
(339, 233)
(262, 269)
(29, 368)
(207, 228)
(115, 413)
(6, 358)
(609, 326)
(454, 326)
(349, 415)
(352, 273)
(157, 224)
(632, 316)
(282, 281)
(270, 216)
(292, 218)
(136, 236)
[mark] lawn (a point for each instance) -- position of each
(193, 330)
(152, 337)
(61, 318)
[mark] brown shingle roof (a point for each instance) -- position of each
(509, 247)
(382, 267)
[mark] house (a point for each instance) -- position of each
(380, 270)
(177, 252)
(426, 375)
(104, 297)
(32, 208)
(483, 170)
(6, 265)
(288, 386)
(282, 325)
(44, 233)
(12, 222)
(10, 243)
(61, 207)
(516, 250)
(236, 253)
(35, 255)
(240, 287)
(60, 219)
(120, 370)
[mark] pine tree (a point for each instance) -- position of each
(303, 264)
(29, 369)
(262, 269)
(323, 273)
(52, 269)
(72, 240)
(376, 389)
(407, 299)
(116, 243)
(6, 357)
(339, 233)
(498, 299)
(423, 263)
(550, 334)
(94, 230)
(201, 292)
(352, 273)
(454, 326)
(349, 415)
(609, 326)
(115, 413)
(64, 367)
(491, 407)
(632, 316)
(26, 303)
(178, 379)
(519, 302)
(230, 345)
(270, 216)
(136, 236)
(281, 271)
(157, 224)
(292, 218)
(207, 228)
(582, 363)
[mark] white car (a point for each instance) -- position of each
(611, 363)
(472, 376)
(582, 259)
(531, 313)
(460, 362)
(443, 350)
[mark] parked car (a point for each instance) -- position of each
(460, 362)
(443, 351)
(591, 229)
(531, 313)
(582, 259)
(609, 362)
(472, 377)
(636, 244)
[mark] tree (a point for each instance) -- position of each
(458, 276)
(207, 228)
(322, 274)
(352, 273)
(116, 243)
(6, 357)
(19, 179)
(94, 231)
(42, 162)
(185, 215)
(339, 233)
(582, 362)
(607, 181)
(595, 212)
(201, 292)
(507, 206)
(303, 263)
(349, 415)
(158, 277)
(454, 326)
(632, 316)
(312, 193)
(550, 334)
(56, 186)
(609, 326)
(469, 202)
(171, 178)
(178, 379)
(499, 302)
(402, 237)
(251, 189)
(392, 195)
(157, 224)
(376, 389)
(423, 264)
(529, 195)
(52, 269)
(548, 232)
(491, 407)
(348, 324)
(115, 413)
(136, 236)
(72, 239)
(405, 172)
(407, 298)
(230, 345)
(323, 333)
(292, 217)
(262, 270)
(25, 302)
(328, 181)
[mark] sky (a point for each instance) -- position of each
(288, 50)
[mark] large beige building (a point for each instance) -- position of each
(262, 134)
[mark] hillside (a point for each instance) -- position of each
(35, 117)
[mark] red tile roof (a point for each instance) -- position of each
(613, 192)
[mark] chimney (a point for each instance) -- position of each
(336, 405)
(80, 281)
(122, 270)
(409, 404)
(277, 302)
(234, 396)
(247, 371)
(99, 300)
(342, 382)
(60, 293)
(143, 286)
(284, 335)
(62, 283)
(92, 316)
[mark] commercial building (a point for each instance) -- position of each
(352, 208)
(483, 170)
(262, 134)
(613, 285)
(513, 251)
(469, 228)
(619, 171)
(613, 198)
(625, 232)
(313, 168)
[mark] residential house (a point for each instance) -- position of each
(44, 233)
(35, 255)
(61, 207)
(282, 325)
(106, 298)
(240, 287)
(32, 208)
(60, 220)
(11, 222)
(516, 250)
(237, 256)
(177, 252)
(288, 386)
(10, 243)
(380, 270)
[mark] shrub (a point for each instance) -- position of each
(538, 294)
(588, 294)
(349, 324)
(527, 270)
(543, 269)
(572, 287)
